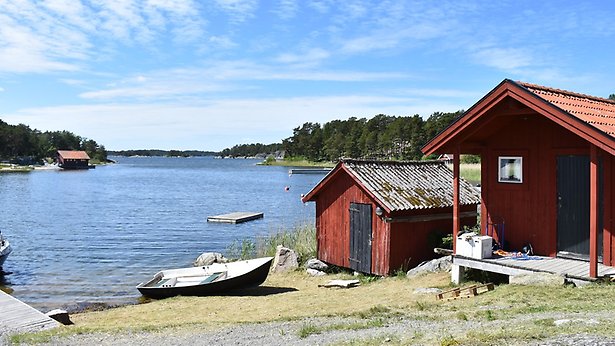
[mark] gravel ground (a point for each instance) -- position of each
(395, 330)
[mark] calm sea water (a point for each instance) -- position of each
(89, 236)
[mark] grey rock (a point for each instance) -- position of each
(427, 290)
(537, 279)
(575, 321)
(60, 316)
(435, 265)
(207, 258)
(285, 260)
(315, 272)
(317, 264)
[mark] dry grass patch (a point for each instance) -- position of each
(514, 313)
(282, 297)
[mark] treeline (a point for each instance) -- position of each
(252, 150)
(381, 137)
(157, 152)
(21, 144)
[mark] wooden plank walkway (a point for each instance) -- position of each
(574, 269)
(309, 171)
(236, 217)
(19, 317)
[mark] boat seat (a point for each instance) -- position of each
(212, 277)
(167, 282)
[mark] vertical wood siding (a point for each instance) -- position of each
(530, 209)
(393, 244)
(410, 241)
(609, 211)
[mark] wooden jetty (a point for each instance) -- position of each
(309, 171)
(19, 317)
(574, 270)
(236, 217)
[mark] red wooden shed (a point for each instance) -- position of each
(375, 217)
(73, 159)
(547, 168)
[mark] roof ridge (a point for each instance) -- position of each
(392, 162)
(566, 92)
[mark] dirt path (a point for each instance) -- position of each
(327, 331)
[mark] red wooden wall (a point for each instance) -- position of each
(609, 211)
(333, 224)
(530, 209)
(392, 244)
(410, 243)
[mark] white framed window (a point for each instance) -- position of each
(510, 169)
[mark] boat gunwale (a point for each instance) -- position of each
(228, 282)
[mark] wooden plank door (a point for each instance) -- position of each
(361, 237)
(573, 206)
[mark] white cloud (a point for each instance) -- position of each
(221, 76)
(195, 125)
(60, 35)
(321, 6)
(506, 59)
(222, 42)
(286, 9)
(238, 10)
(311, 57)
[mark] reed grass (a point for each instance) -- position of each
(302, 239)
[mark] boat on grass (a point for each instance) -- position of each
(5, 250)
(214, 279)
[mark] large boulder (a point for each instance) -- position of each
(315, 272)
(436, 265)
(207, 258)
(314, 263)
(285, 260)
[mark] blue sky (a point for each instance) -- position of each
(172, 74)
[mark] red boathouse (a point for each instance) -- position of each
(73, 159)
(548, 169)
(376, 217)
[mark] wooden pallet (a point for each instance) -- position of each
(465, 292)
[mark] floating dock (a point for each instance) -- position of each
(19, 317)
(309, 170)
(236, 217)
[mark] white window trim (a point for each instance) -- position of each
(518, 172)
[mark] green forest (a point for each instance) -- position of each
(23, 145)
(381, 137)
(252, 150)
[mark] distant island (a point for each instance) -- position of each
(157, 152)
(382, 137)
(21, 145)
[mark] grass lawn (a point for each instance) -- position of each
(294, 296)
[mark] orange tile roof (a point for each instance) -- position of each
(596, 111)
(73, 154)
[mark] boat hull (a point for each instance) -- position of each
(5, 250)
(251, 278)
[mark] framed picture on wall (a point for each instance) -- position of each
(510, 169)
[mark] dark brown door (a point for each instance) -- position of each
(573, 206)
(361, 237)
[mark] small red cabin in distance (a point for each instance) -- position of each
(547, 168)
(376, 217)
(73, 159)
